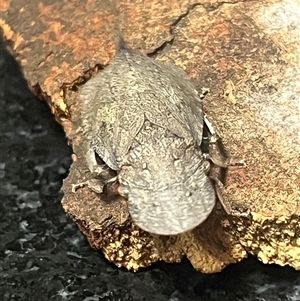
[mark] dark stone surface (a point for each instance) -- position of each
(43, 256)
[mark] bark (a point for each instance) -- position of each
(246, 53)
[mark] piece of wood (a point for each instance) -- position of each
(245, 52)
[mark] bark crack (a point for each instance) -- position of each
(208, 7)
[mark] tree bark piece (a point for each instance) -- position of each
(245, 53)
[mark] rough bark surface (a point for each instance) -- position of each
(245, 52)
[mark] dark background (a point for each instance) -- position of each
(43, 256)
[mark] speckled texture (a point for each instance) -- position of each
(44, 257)
(244, 52)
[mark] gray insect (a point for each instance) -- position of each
(144, 119)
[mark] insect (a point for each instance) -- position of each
(144, 119)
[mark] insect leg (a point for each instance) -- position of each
(216, 150)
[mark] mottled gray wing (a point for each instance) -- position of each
(98, 113)
(109, 117)
(166, 95)
(117, 100)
